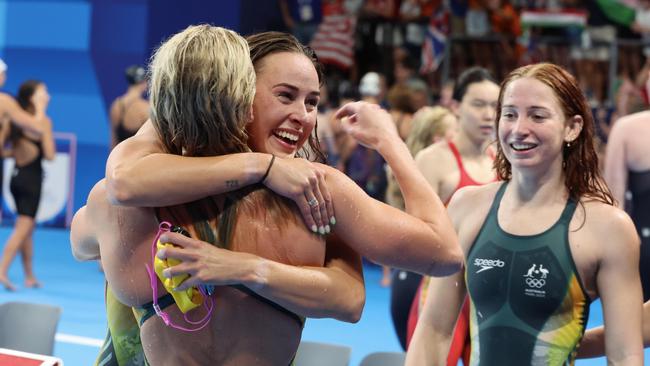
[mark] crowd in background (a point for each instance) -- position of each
(393, 53)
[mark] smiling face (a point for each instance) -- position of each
(532, 126)
(285, 104)
(476, 111)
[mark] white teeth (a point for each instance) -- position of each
(287, 135)
(522, 146)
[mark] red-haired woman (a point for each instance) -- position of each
(541, 244)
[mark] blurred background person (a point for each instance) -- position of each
(28, 150)
(301, 17)
(627, 167)
(130, 110)
(10, 111)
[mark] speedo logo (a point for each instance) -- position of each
(486, 264)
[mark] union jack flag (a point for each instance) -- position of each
(435, 41)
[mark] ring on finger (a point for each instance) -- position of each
(313, 202)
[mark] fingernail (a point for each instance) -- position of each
(166, 273)
(321, 230)
(327, 229)
(333, 220)
(314, 228)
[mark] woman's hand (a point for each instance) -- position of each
(40, 99)
(205, 263)
(304, 182)
(367, 123)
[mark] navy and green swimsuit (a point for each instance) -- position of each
(528, 306)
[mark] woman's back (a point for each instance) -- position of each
(26, 146)
(244, 329)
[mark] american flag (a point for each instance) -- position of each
(435, 40)
(334, 40)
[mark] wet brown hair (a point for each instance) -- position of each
(582, 176)
(268, 43)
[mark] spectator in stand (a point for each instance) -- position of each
(504, 21)
(301, 17)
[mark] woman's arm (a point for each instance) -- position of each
(138, 174)
(433, 333)
(422, 239)
(620, 290)
(21, 118)
(593, 342)
(335, 291)
(83, 241)
(47, 141)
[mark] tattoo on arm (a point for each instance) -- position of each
(232, 183)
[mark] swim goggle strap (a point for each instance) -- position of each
(200, 324)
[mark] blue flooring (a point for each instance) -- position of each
(78, 289)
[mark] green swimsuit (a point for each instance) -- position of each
(528, 306)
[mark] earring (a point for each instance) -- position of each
(568, 144)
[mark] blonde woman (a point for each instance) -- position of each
(430, 125)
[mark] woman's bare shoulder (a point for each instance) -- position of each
(436, 150)
(473, 197)
(605, 223)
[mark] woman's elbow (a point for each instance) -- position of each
(352, 314)
(118, 191)
(448, 262)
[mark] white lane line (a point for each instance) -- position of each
(84, 341)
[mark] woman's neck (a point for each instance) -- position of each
(539, 186)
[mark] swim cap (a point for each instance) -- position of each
(3, 66)
(135, 74)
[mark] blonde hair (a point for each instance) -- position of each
(427, 123)
(202, 85)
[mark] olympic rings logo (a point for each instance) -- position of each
(535, 282)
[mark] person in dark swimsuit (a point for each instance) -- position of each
(542, 244)
(28, 151)
(129, 111)
(10, 111)
(627, 167)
